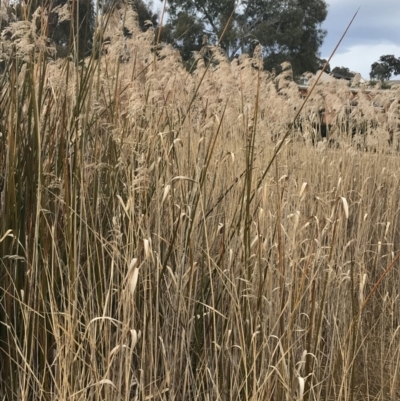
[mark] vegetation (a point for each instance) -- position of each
(70, 35)
(68, 26)
(288, 31)
(322, 63)
(343, 72)
(153, 243)
(386, 67)
(144, 14)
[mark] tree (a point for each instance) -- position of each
(66, 32)
(62, 27)
(60, 31)
(145, 14)
(321, 64)
(343, 72)
(384, 68)
(70, 24)
(185, 33)
(288, 30)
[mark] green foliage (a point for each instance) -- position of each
(288, 31)
(343, 72)
(81, 25)
(386, 67)
(321, 64)
(186, 32)
(145, 15)
(385, 85)
(77, 22)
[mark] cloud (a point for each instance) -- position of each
(374, 32)
(359, 58)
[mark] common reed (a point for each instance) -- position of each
(144, 257)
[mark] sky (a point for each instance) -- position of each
(375, 32)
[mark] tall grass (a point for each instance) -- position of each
(145, 251)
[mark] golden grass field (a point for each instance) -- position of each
(154, 245)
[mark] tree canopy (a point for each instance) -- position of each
(68, 25)
(343, 72)
(287, 30)
(144, 14)
(386, 67)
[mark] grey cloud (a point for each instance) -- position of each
(376, 22)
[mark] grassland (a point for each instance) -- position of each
(154, 244)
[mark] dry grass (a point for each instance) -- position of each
(142, 253)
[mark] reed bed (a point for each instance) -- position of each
(146, 251)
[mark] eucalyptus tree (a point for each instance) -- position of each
(386, 67)
(288, 30)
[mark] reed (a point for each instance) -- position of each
(163, 236)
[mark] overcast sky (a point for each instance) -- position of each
(375, 32)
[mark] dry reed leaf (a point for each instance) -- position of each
(296, 218)
(339, 182)
(167, 379)
(132, 276)
(146, 244)
(217, 121)
(106, 381)
(345, 206)
(278, 144)
(362, 286)
(112, 320)
(212, 310)
(7, 234)
(133, 280)
(166, 192)
(157, 395)
(135, 337)
(181, 177)
(346, 277)
(303, 188)
(302, 362)
(228, 336)
(386, 230)
(172, 276)
(114, 350)
(232, 155)
(348, 244)
(101, 382)
(255, 241)
(178, 140)
(302, 383)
